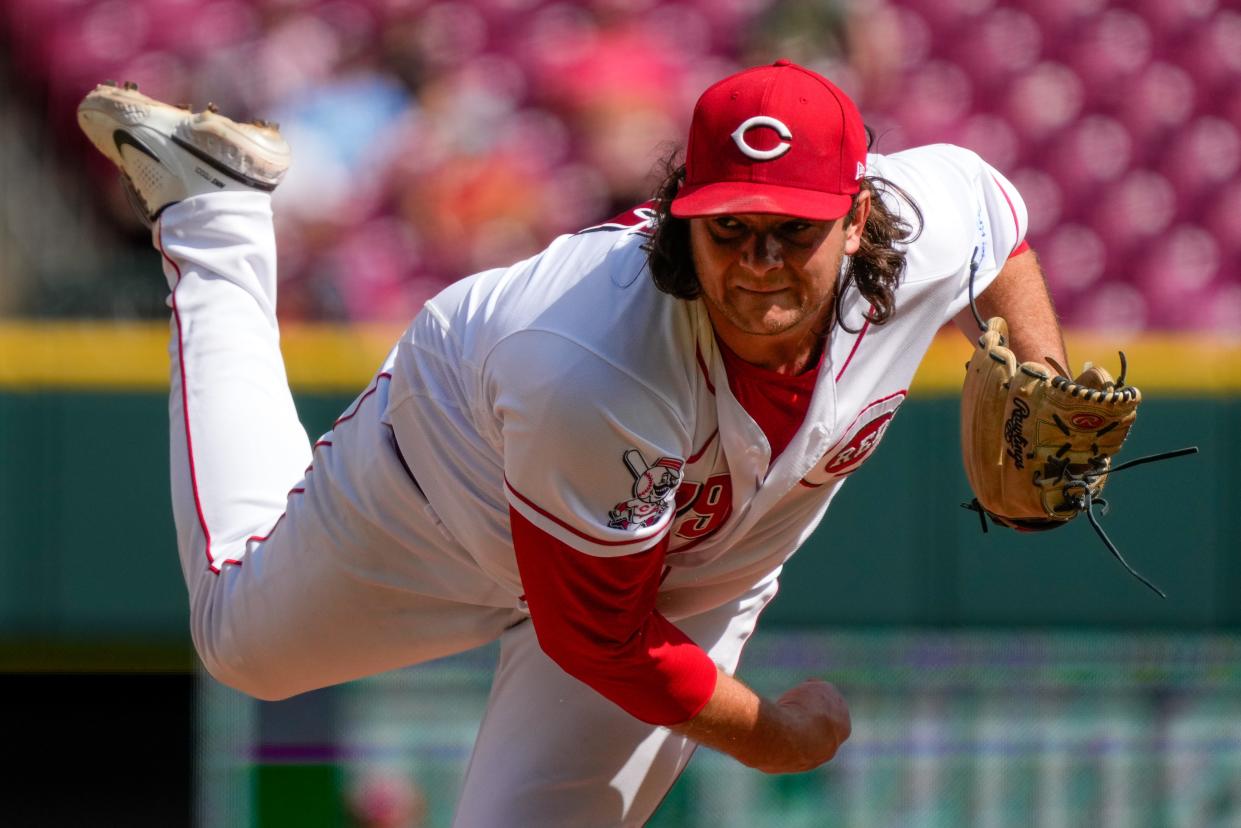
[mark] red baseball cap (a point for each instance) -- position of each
(776, 139)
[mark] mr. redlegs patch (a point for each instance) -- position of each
(858, 442)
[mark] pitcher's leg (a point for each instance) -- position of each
(296, 579)
(344, 585)
(236, 445)
(302, 568)
(552, 752)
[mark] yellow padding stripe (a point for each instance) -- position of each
(134, 356)
(1161, 363)
(341, 358)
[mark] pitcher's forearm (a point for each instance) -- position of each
(1019, 294)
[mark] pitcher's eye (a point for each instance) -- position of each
(726, 228)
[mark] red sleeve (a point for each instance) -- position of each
(596, 618)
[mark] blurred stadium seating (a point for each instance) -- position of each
(437, 138)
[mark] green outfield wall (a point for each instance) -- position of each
(87, 548)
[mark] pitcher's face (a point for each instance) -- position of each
(770, 275)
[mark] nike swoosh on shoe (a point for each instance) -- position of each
(123, 139)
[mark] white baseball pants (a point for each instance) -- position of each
(309, 565)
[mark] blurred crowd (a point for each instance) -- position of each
(434, 139)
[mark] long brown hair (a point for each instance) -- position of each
(875, 270)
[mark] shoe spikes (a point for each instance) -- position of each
(211, 107)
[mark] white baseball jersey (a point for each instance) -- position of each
(569, 388)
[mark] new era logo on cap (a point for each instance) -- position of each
(776, 139)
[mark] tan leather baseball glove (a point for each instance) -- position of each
(1038, 448)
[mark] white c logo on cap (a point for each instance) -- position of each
(748, 124)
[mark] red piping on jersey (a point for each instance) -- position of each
(270, 532)
(569, 528)
(702, 363)
(1013, 209)
(698, 454)
(856, 343)
(185, 410)
(293, 491)
(349, 415)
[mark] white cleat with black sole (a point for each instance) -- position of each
(169, 153)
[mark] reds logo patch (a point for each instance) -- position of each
(653, 491)
(858, 443)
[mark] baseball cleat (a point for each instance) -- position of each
(168, 153)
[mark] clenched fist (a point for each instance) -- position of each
(798, 732)
(817, 722)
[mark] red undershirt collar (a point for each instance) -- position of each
(777, 402)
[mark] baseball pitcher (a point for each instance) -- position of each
(600, 456)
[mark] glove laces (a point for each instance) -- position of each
(1086, 501)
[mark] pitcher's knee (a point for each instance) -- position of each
(259, 681)
(240, 662)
